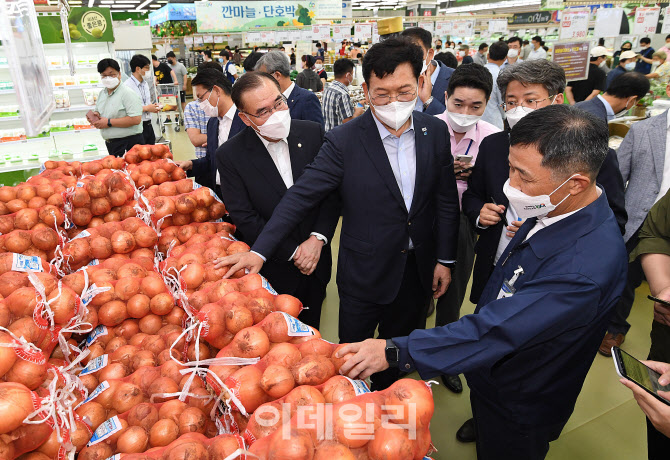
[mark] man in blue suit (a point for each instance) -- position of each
(212, 91)
(623, 94)
(528, 347)
(302, 104)
(435, 75)
(393, 171)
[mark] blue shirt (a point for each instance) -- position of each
(642, 66)
(142, 90)
(194, 117)
(433, 79)
(493, 113)
(608, 108)
(615, 73)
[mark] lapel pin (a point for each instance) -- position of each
(425, 131)
(299, 145)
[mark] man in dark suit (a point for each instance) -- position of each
(623, 93)
(303, 104)
(257, 167)
(435, 74)
(525, 87)
(393, 171)
(212, 90)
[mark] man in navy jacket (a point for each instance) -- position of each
(212, 89)
(528, 347)
(302, 104)
(393, 171)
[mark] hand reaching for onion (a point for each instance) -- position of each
(240, 261)
(307, 255)
(369, 358)
(185, 165)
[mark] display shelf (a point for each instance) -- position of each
(69, 87)
(10, 167)
(17, 117)
(25, 141)
(74, 108)
(73, 131)
(7, 91)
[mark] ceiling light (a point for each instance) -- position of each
(90, 3)
(145, 3)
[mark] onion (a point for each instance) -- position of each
(171, 410)
(143, 415)
(137, 339)
(133, 440)
(186, 204)
(7, 451)
(167, 189)
(406, 392)
(277, 381)
(131, 270)
(183, 186)
(45, 239)
(313, 370)
(26, 219)
(51, 215)
(122, 242)
(126, 288)
(150, 324)
(154, 344)
(159, 176)
(193, 275)
(101, 247)
(331, 450)
(200, 215)
(162, 304)
(16, 205)
(100, 451)
(245, 383)
(15, 405)
(316, 347)
(163, 385)
(297, 445)
(18, 241)
(338, 389)
(100, 206)
(127, 329)
(7, 193)
(27, 373)
(223, 446)
(217, 210)
(151, 286)
(146, 237)
(351, 419)
(126, 397)
(192, 420)
(264, 421)
(250, 342)
(36, 202)
(274, 325)
(288, 304)
(25, 192)
(92, 413)
(124, 354)
(144, 377)
(163, 207)
(112, 313)
(103, 275)
(163, 433)
(390, 444)
(81, 216)
(138, 305)
(283, 354)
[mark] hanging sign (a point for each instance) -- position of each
(306, 34)
(197, 40)
(363, 31)
(188, 40)
(282, 36)
(320, 32)
(552, 5)
(666, 21)
(532, 18)
(208, 38)
(574, 57)
(86, 25)
(608, 22)
(375, 33)
(268, 36)
(218, 39)
(341, 32)
(428, 25)
(498, 26)
(646, 20)
(442, 27)
(253, 37)
(574, 24)
(463, 28)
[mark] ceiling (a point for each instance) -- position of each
(371, 4)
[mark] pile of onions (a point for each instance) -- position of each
(77, 168)
(35, 194)
(189, 235)
(128, 237)
(148, 174)
(41, 242)
(192, 446)
(139, 153)
(47, 216)
(108, 195)
(200, 205)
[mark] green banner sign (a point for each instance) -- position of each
(86, 25)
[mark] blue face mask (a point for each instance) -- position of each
(220, 59)
(630, 66)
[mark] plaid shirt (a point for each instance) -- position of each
(336, 104)
(194, 117)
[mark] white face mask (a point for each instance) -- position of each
(527, 206)
(318, 66)
(110, 82)
(396, 113)
(209, 109)
(517, 113)
(654, 65)
(277, 126)
(424, 67)
(623, 112)
(630, 66)
(602, 64)
(461, 123)
(461, 53)
(147, 75)
(512, 53)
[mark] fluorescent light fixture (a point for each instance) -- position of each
(90, 3)
(145, 3)
(490, 6)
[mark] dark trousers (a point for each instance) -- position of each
(118, 147)
(311, 292)
(359, 319)
(148, 133)
(499, 438)
(619, 320)
(658, 445)
(448, 308)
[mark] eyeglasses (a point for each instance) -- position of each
(280, 103)
(527, 104)
(384, 99)
(202, 99)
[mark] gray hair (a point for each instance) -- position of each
(275, 61)
(535, 72)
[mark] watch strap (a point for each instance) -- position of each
(109, 122)
(392, 353)
(428, 102)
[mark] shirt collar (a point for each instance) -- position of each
(230, 114)
(384, 133)
(340, 84)
(433, 77)
(136, 80)
(267, 143)
(608, 107)
(289, 90)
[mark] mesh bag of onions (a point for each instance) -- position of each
(200, 205)
(34, 195)
(196, 233)
(195, 446)
(139, 153)
(155, 173)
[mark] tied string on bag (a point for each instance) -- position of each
(59, 259)
(43, 315)
(24, 349)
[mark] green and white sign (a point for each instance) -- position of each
(86, 25)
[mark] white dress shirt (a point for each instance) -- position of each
(142, 90)
(539, 53)
(289, 90)
(225, 123)
(544, 222)
(665, 182)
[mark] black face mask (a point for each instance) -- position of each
(438, 47)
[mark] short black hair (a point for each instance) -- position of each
(139, 60)
(384, 58)
(104, 64)
(208, 53)
(170, 54)
(309, 60)
(447, 59)
(318, 45)
(247, 82)
(645, 40)
(251, 60)
(667, 36)
(526, 42)
(471, 76)
(483, 46)
(629, 84)
(227, 47)
(514, 39)
(538, 39)
(570, 140)
(210, 78)
(498, 51)
(419, 34)
(210, 65)
(153, 56)
(225, 53)
(342, 67)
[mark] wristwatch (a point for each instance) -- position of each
(427, 103)
(109, 122)
(392, 353)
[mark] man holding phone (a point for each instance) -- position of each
(468, 92)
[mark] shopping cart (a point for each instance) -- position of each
(170, 102)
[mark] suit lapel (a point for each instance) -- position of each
(372, 143)
(293, 97)
(260, 158)
(657, 138)
(297, 150)
(421, 135)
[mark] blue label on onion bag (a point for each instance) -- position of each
(21, 263)
(105, 430)
(93, 366)
(266, 285)
(95, 333)
(296, 328)
(99, 389)
(360, 387)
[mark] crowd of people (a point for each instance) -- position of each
(478, 172)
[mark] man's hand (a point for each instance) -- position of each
(101, 123)
(441, 280)
(308, 254)
(662, 312)
(425, 85)
(185, 165)
(512, 229)
(369, 358)
(490, 214)
(657, 411)
(240, 261)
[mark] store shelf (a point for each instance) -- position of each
(7, 91)
(25, 141)
(17, 117)
(68, 87)
(10, 167)
(75, 108)
(72, 131)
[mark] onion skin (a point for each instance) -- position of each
(133, 440)
(277, 381)
(163, 433)
(313, 370)
(15, 405)
(192, 420)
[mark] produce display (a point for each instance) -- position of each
(120, 339)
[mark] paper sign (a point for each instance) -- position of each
(341, 32)
(282, 36)
(666, 21)
(646, 20)
(375, 33)
(463, 28)
(442, 27)
(574, 58)
(574, 24)
(253, 37)
(498, 26)
(197, 40)
(268, 36)
(188, 40)
(208, 38)
(307, 34)
(428, 25)
(321, 32)
(608, 22)
(363, 31)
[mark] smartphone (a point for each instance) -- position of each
(464, 158)
(631, 369)
(661, 301)
(92, 117)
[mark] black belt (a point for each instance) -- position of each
(146, 121)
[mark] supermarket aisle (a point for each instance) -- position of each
(606, 423)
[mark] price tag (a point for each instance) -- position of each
(498, 26)
(574, 24)
(646, 20)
